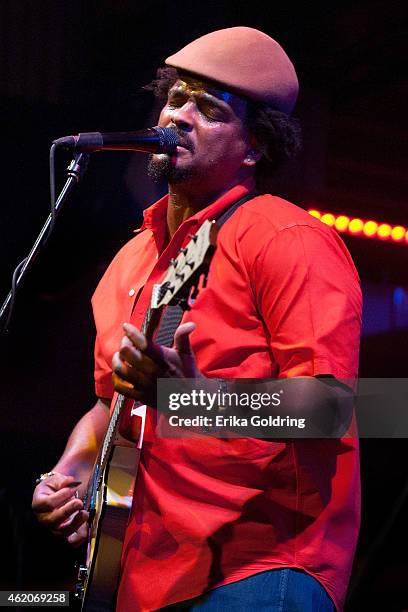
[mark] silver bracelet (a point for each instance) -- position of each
(44, 476)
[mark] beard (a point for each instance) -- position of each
(160, 168)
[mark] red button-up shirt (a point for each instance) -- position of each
(282, 299)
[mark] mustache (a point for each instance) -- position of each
(184, 141)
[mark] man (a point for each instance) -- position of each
(223, 524)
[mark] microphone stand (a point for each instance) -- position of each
(75, 171)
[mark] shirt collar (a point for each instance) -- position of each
(154, 217)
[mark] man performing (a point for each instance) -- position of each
(227, 524)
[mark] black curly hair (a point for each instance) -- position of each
(278, 136)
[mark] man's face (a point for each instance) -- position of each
(213, 138)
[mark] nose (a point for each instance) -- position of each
(183, 116)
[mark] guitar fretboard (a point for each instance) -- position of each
(117, 410)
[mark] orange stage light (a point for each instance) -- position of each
(328, 219)
(398, 232)
(384, 231)
(341, 223)
(370, 228)
(358, 227)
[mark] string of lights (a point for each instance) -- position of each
(363, 228)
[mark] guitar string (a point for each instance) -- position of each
(112, 427)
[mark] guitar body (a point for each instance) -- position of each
(111, 495)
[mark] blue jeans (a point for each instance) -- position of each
(279, 590)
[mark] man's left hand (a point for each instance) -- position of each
(139, 363)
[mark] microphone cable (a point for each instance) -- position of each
(20, 265)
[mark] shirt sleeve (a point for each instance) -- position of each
(113, 303)
(103, 373)
(103, 368)
(308, 294)
(108, 304)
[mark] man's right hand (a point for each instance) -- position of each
(57, 506)
(55, 501)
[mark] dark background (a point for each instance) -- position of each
(76, 66)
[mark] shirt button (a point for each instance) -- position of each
(132, 293)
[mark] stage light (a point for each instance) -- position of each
(328, 219)
(342, 222)
(365, 229)
(384, 231)
(370, 228)
(398, 233)
(356, 226)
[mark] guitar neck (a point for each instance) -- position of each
(148, 327)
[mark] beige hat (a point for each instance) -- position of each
(244, 60)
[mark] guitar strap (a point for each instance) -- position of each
(174, 313)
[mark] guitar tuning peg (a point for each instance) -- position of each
(173, 263)
(183, 251)
(190, 263)
(179, 275)
(193, 237)
(163, 290)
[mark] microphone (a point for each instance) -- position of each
(149, 140)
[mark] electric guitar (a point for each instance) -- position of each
(110, 491)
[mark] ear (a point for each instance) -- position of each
(252, 157)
